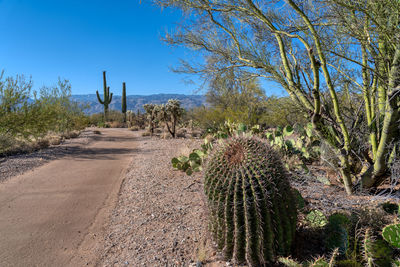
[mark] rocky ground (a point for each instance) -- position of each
(160, 217)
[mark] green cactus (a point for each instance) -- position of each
(318, 262)
(376, 251)
(107, 96)
(348, 263)
(338, 233)
(123, 100)
(189, 164)
(391, 233)
(289, 262)
(252, 209)
(151, 111)
(300, 202)
(194, 162)
(316, 219)
(170, 113)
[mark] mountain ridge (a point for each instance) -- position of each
(136, 102)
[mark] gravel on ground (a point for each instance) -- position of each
(160, 218)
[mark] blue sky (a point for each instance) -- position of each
(78, 39)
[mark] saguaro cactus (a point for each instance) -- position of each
(107, 96)
(252, 209)
(123, 105)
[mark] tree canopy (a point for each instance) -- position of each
(339, 60)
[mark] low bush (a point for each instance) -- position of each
(27, 116)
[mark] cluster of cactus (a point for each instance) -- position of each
(106, 95)
(299, 142)
(195, 160)
(253, 212)
(189, 164)
(169, 113)
(152, 111)
(229, 129)
(367, 249)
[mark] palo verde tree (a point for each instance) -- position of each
(106, 95)
(236, 97)
(339, 60)
(123, 100)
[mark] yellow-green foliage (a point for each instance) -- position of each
(272, 112)
(281, 111)
(27, 116)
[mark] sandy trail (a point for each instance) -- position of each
(55, 214)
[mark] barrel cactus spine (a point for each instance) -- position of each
(252, 210)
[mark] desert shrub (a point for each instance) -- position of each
(29, 116)
(115, 116)
(117, 124)
(134, 128)
(96, 119)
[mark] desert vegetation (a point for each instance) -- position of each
(339, 64)
(309, 178)
(31, 120)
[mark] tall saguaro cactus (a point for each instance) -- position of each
(123, 107)
(107, 96)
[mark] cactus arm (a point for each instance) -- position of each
(105, 84)
(99, 98)
(111, 95)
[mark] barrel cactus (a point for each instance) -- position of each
(252, 208)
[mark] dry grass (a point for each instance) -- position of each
(134, 128)
(42, 143)
(54, 140)
(146, 134)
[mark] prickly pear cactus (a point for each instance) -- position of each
(391, 233)
(252, 210)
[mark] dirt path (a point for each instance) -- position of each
(55, 215)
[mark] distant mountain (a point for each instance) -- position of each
(135, 102)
